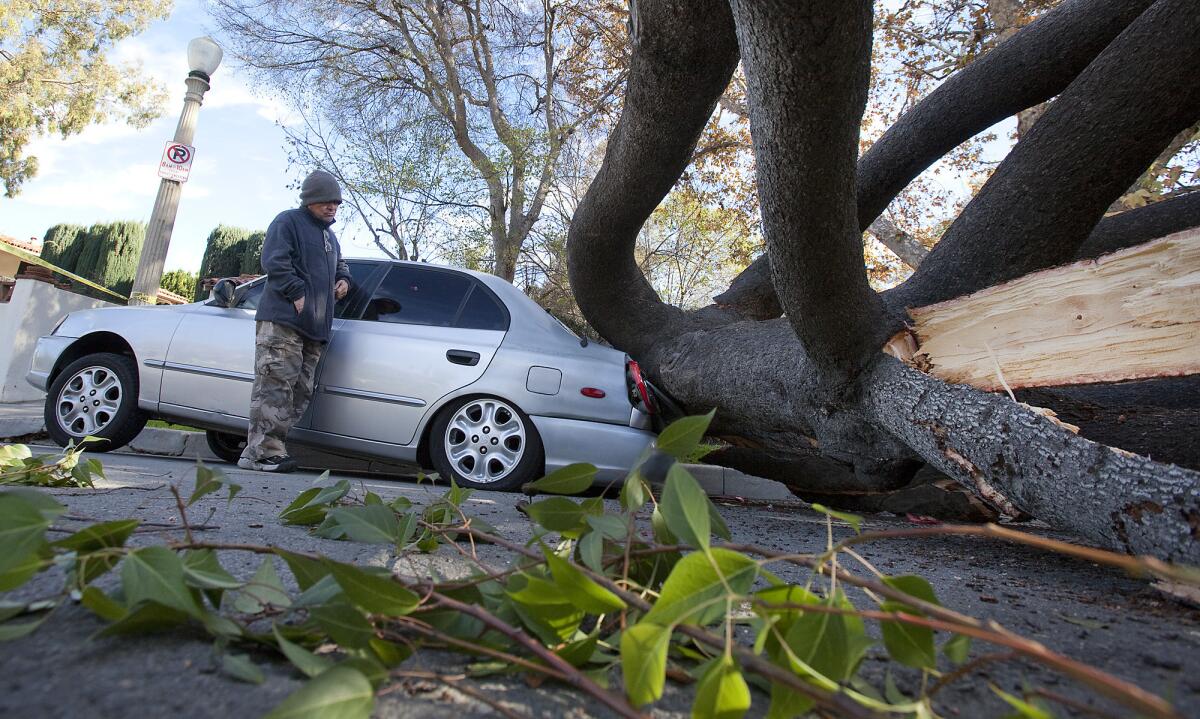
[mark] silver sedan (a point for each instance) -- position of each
(454, 370)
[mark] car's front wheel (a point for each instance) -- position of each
(485, 443)
(225, 445)
(95, 396)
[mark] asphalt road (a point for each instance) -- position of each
(1090, 613)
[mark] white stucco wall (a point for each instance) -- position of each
(35, 308)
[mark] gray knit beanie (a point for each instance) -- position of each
(318, 187)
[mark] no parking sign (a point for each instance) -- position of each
(176, 161)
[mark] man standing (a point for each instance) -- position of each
(305, 277)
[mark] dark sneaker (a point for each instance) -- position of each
(280, 463)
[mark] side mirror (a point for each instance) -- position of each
(222, 293)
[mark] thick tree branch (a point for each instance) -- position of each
(1032, 66)
(1134, 227)
(898, 241)
(1162, 433)
(792, 53)
(1019, 222)
(683, 56)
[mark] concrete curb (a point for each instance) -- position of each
(170, 443)
(719, 481)
(21, 419)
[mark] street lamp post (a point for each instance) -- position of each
(204, 56)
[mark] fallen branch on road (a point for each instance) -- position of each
(644, 592)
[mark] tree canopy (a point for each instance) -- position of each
(56, 77)
(493, 90)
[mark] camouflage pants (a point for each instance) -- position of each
(285, 364)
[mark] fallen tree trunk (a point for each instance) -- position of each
(1113, 497)
(1164, 434)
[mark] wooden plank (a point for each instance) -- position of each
(1128, 315)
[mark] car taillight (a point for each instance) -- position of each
(639, 393)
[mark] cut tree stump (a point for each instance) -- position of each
(1132, 314)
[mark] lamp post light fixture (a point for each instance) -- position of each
(204, 56)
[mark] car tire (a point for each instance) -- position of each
(96, 395)
(467, 431)
(228, 447)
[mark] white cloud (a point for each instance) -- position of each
(122, 189)
(234, 89)
(232, 84)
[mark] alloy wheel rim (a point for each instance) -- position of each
(485, 440)
(89, 401)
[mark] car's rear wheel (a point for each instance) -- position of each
(95, 396)
(225, 445)
(485, 443)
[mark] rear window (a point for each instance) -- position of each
(482, 312)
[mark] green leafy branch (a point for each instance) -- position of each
(18, 466)
(644, 593)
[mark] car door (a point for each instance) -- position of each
(425, 332)
(210, 362)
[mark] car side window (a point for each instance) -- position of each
(248, 297)
(418, 296)
(360, 275)
(482, 311)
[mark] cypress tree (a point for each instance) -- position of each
(181, 282)
(123, 247)
(58, 243)
(110, 255)
(91, 248)
(222, 256)
(72, 249)
(252, 255)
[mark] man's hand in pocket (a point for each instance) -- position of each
(299, 305)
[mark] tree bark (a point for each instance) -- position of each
(1164, 434)
(794, 52)
(1133, 227)
(684, 54)
(1118, 499)
(751, 295)
(1117, 102)
(910, 252)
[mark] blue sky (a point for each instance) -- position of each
(240, 175)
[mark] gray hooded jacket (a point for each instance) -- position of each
(302, 258)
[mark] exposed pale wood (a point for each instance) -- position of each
(1128, 315)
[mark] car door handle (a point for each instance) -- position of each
(463, 357)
